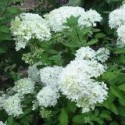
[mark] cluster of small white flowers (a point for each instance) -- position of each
(28, 26)
(24, 86)
(77, 80)
(58, 17)
(12, 105)
(50, 76)
(33, 73)
(1, 123)
(102, 55)
(47, 97)
(117, 21)
(2, 98)
(90, 18)
(87, 53)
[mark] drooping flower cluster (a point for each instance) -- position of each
(24, 86)
(58, 17)
(12, 105)
(29, 26)
(117, 21)
(77, 81)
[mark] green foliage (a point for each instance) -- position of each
(59, 51)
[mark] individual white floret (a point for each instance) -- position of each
(29, 26)
(12, 105)
(24, 86)
(50, 76)
(102, 54)
(47, 97)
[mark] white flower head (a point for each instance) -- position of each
(85, 53)
(117, 18)
(58, 17)
(1, 123)
(90, 18)
(102, 54)
(2, 98)
(50, 76)
(76, 73)
(28, 26)
(12, 105)
(47, 97)
(121, 36)
(33, 73)
(77, 83)
(24, 86)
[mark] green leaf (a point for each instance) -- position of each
(115, 91)
(122, 59)
(114, 109)
(72, 21)
(2, 50)
(63, 117)
(93, 41)
(119, 51)
(13, 10)
(105, 115)
(100, 35)
(122, 87)
(10, 120)
(78, 119)
(71, 106)
(4, 29)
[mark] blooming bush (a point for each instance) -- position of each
(74, 75)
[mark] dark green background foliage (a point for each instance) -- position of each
(112, 111)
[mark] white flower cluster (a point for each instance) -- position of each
(86, 53)
(49, 94)
(11, 101)
(33, 73)
(77, 80)
(28, 26)
(12, 105)
(24, 86)
(1, 123)
(102, 55)
(57, 18)
(47, 97)
(50, 76)
(117, 21)
(2, 98)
